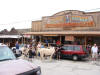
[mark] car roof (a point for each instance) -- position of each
(1, 44)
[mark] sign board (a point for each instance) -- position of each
(55, 21)
(79, 20)
(69, 38)
(27, 36)
(70, 21)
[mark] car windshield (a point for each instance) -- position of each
(6, 53)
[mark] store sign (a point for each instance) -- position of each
(76, 18)
(27, 36)
(69, 38)
(55, 21)
(79, 20)
(70, 21)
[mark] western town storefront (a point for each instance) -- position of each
(70, 27)
(69, 37)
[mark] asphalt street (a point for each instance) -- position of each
(68, 67)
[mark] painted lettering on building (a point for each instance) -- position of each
(71, 21)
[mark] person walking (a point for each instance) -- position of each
(30, 54)
(88, 47)
(39, 45)
(58, 52)
(17, 49)
(46, 41)
(42, 46)
(94, 51)
(17, 45)
(58, 43)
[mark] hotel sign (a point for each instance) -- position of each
(70, 21)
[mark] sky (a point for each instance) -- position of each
(20, 13)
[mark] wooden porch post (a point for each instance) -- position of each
(40, 38)
(60, 38)
(3, 40)
(24, 40)
(85, 41)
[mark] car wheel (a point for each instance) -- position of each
(75, 57)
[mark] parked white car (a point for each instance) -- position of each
(9, 65)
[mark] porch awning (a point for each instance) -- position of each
(10, 36)
(64, 33)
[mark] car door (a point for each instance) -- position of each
(67, 50)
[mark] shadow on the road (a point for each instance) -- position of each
(82, 60)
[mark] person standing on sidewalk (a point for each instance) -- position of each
(94, 51)
(17, 48)
(58, 43)
(58, 52)
(30, 54)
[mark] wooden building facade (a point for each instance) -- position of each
(68, 26)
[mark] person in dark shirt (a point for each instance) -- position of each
(46, 41)
(58, 52)
(17, 45)
(17, 48)
(30, 54)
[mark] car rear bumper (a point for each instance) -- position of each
(83, 56)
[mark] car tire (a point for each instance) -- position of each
(75, 57)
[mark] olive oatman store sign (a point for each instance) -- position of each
(70, 21)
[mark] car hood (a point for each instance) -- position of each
(13, 67)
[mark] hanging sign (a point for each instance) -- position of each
(69, 38)
(27, 36)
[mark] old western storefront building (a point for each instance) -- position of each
(69, 27)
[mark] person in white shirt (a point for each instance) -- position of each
(94, 51)
(39, 45)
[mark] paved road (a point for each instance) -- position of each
(68, 67)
